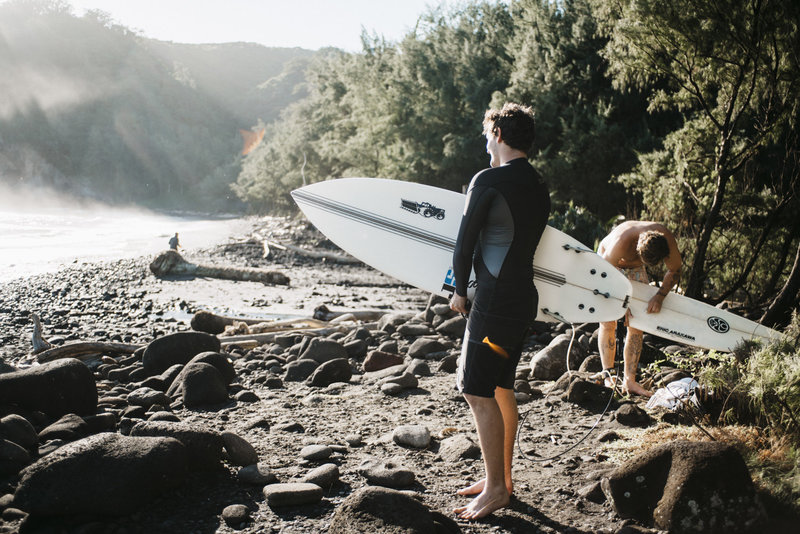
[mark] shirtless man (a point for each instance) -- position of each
(629, 247)
(505, 214)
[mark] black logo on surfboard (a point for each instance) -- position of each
(426, 209)
(718, 324)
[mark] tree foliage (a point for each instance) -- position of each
(730, 67)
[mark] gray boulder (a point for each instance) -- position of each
(453, 327)
(105, 474)
(55, 388)
(177, 348)
(550, 362)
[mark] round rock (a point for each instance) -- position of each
(417, 436)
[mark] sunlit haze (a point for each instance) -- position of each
(309, 24)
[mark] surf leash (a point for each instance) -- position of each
(569, 373)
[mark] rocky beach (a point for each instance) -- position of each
(341, 416)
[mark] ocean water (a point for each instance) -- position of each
(38, 237)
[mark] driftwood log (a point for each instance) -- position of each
(206, 321)
(85, 350)
(320, 255)
(171, 263)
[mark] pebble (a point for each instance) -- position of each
(235, 515)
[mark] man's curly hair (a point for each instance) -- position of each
(516, 123)
(652, 247)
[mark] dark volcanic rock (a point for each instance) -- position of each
(68, 428)
(180, 347)
(337, 370)
(202, 385)
(686, 487)
(374, 509)
(551, 362)
(377, 360)
(323, 350)
(203, 446)
(19, 430)
(630, 414)
(425, 345)
(299, 370)
(56, 388)
(13, 457)
(105, 474)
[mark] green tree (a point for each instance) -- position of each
(587, 131)
(730, 67)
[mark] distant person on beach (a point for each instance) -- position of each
(630, 247)
(506, 212)
(174, 244)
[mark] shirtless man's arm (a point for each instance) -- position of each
(673, 264)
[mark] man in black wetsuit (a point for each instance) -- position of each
(505, 215)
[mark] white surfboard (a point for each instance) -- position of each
(409, 231)
(692, 322)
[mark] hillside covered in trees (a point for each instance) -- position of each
(91, 108)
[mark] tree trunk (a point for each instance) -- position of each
(697, 275)
(781, 308)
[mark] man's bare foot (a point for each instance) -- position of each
(478, 487)
(483, 505)
(632, 387)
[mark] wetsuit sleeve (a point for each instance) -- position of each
(479, 200)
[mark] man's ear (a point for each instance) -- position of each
(499, 134)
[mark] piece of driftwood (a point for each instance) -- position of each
(85, 350)
(171, 263)
(323, 313)
(212, 323)
(269, 338)
(317, 254)
(39, 343)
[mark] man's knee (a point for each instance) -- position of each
(608, 327)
